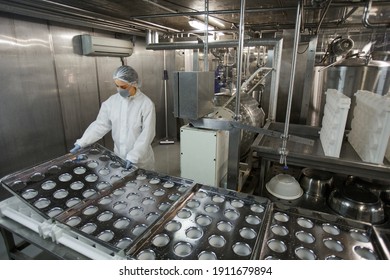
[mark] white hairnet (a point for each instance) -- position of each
(126, 74)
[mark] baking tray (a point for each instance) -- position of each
(211, 223)
(294, 233)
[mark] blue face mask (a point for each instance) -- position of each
(123, 92)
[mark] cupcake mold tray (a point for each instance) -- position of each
(296, 233)
(91, 204)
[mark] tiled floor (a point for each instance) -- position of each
(167, 161)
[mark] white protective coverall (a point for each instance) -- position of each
(133, 124)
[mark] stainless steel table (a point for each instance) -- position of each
(348, 163)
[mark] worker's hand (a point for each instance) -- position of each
(75, 149)
(129, 164)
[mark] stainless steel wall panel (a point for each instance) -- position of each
(30, 116)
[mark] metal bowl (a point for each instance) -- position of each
(380, 188)
(284, 186)
(356, 202)
(315, 182)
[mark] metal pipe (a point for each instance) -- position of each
(239, 58)
(283, 151)
(366, 14)
(323, 16)
(165, 95)
(206, 36)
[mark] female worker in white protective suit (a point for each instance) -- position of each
(131, 116)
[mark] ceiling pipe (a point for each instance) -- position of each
(366, 14)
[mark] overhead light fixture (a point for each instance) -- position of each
(197, 24)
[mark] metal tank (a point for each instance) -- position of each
(347, 77)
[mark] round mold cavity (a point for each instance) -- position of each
(305, 237)
(334, 245)
(217, 241)
(172, 226)
(277, 246)
(168, 184)
(48, 185)
(119, 192)
(160, 240)
(237, 203)
(365, 253)
(66, 177)
(68, 162)
(281, 217)
(138, 229)
(89, 228)
(174, 196)
(115, 165)
(231, 214)
(154, 181)
(136, 211)
(77, 185)
(206, 255)
(257, 208)
(218, 199)
(184, 214)
(194, 233)
(92, 164)
(103, 185)
(90, 210)
(104, 158)
(72, 201)
(73, 221)
(79, 170)
(151, 217)
(105, 200)
(42, 203)
(91, 178)
(146, 255)
(131, 184)
(19, 184)
(82, 157)
(182, 249)
(211, 208)
(105, 216)
(94, 151)
(106, 235)
(89, 193)
(141, 177)
(359, 236)
(144, 188)
(279, 230)
(333, 258)
(119, 205)
(305, 223)
(104, 171)
(203, 220)
(54, 169)
(122, 223)
(182, 188)
(201, 194)
(253, 220)
(159, 192)
(247, 233)
(133, 196)
(29, 194)
(224, 226)
(305, 254)
(193, 203)
(36, 177)
(60, 194)
(242, 249)
(148, 201)
(54, 212)
(164, 206)
(331, 229)
(123, 243)
(115, 178)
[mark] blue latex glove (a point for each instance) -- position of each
(75, 149)
(129, 164)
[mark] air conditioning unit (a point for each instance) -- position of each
(100, 46)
